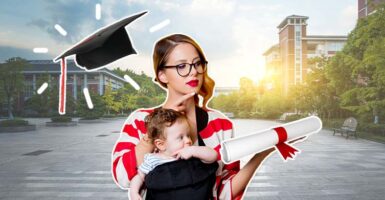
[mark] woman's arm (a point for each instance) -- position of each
(129, 149)
(242, 178)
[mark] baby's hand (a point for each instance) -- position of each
(135, 196)
(185, 153)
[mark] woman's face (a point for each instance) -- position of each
(182, 53)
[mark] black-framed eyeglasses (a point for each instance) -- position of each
(184, 69)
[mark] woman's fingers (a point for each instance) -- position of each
(298, 140)
(179, 104)
(184, 98)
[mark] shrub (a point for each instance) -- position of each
(95, 113)
(13, 122)
(294, 117)
(376, 129)
(61, 119)
(109, 116)
(333, 123)
(244, 114)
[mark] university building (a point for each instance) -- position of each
(287, 61)
(366, 7)
(77, 79)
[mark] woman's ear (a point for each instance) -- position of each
(160, 144)
(162, 77)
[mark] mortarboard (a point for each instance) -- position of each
(104, 46)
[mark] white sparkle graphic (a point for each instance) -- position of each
(60, 30)
(40, 50)
(160, 25)
(42, 88)
(98, 11)
(132, 82)
(88, 98)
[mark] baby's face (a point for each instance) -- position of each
(178, 136)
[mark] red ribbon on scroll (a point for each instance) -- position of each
(286, 150)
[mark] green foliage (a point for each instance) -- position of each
(111, 101)
(13, 122)
(98, 110)
(53, 100)
(11, 81)
(39, 103)
(149, 94)
(377, 129)
(61, 119)
(291, 118)
(225, 103)
(357, 73)
(270, 105)
(332, 123)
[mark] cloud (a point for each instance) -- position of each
(7, 52)
(211, 7)
(138, 63)
(76, 17)
(348, 17)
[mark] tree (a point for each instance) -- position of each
(96, 112)
(39, 102)
(357, 73)
(109, 99)
(271, 104)
(247, 97)
(11, 79)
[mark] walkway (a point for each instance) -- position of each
(74, 163)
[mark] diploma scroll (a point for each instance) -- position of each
(236, 148)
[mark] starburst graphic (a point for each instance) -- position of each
(63, 73)
(42, 88)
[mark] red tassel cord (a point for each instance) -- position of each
(63, 87)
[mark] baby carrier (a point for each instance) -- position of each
(183, 179)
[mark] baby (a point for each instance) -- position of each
(170, 132)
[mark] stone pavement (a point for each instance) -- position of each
(74, 163)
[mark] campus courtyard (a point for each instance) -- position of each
(74, 163)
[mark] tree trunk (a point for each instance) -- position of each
(10, 115)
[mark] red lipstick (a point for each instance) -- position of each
(193, 83)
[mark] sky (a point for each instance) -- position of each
(233, 34)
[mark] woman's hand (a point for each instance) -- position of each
(301, 139)
(135, 196)
(179, 105)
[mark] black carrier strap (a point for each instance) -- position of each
(202, 119)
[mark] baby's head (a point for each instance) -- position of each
(168, 130)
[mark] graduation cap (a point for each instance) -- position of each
(106, 45)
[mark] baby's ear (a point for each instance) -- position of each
(160, 144)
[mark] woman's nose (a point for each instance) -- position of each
(193, 71)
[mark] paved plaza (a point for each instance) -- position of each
(74, 163)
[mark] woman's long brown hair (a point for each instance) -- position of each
(164, 47)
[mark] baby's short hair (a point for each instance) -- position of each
(160, 118)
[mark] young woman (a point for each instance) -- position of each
(181, 68)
